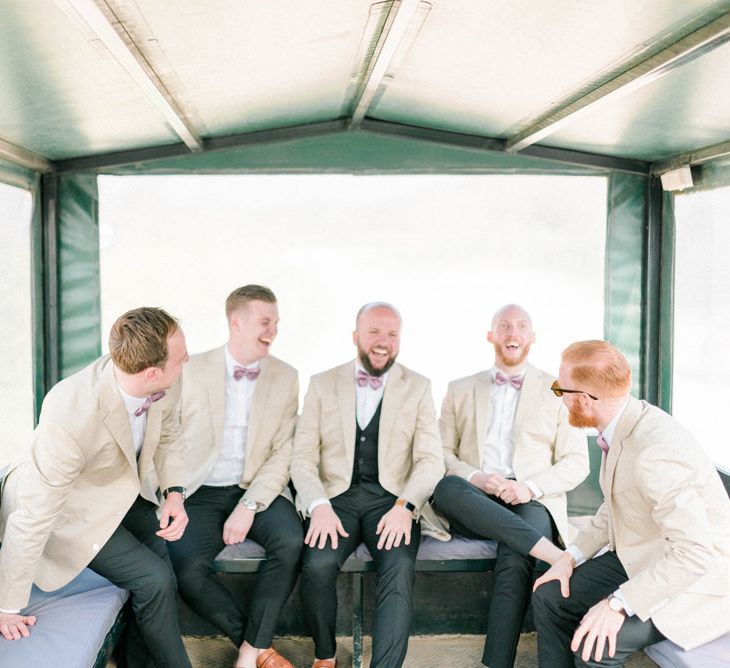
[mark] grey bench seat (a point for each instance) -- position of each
(715, 654)
(72, 627)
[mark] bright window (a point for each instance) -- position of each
(16, 347)
(447, 250)
(701, 392)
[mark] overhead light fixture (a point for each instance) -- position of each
(677, 179)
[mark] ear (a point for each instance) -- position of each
(490, 336)
(354, 337)
(151, 373)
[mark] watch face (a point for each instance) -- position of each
(615, 604)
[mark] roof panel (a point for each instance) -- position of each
(63, 94)
(490, 68)
(253, 65)
(686, 109)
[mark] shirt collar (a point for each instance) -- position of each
(610, 429)
(495, 370)
(130, 403)
(231, 363)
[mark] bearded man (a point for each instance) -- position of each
(665, 522)
(366, 458)
(510, 458)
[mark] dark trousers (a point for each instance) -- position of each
(277, 529)
(556, 618)
(474, 514)
(134, 558)
(360, 510)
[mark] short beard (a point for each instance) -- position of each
(509, 363)
(365, 361)
(581, 420)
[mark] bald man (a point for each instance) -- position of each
(511, 456)
(366, 458)
(665, 519)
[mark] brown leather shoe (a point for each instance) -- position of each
(324, 663)
(270, 658)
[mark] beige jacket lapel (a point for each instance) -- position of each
(260, 397)
(482, 410)
(215, 382)
(393, 398)
(530, 397)
(347, 398)
(625, 426)
(115, 414)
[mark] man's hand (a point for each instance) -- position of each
(323, 523)
(598, 625)
(514, 493)
(561, 571)
(238, 525)
(393, 527)
(15, 627)
(173, 518)
(488, 483)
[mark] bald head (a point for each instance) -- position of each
(377, 305)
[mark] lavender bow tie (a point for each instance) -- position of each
(363, 379)
(155, 396)
(239, 372)
(602, 443)
(515, 381)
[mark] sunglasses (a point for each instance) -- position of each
(559, 391)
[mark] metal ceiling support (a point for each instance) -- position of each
(399, 20)
(51, 298)
(707, 38)
(23, 157)
(241, 140)
(137, 67)
(456, 139)
(695, 157)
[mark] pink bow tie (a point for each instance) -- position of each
(515, 381)
(155, 396)
(240, 371)
(602, 443)
(364, 378)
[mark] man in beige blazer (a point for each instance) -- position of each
(366, 458)
(86, 493)
(510, 458)
(665, 520)
(239, 408)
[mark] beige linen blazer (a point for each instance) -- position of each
(667, 515)
(68, 496)
(410, 460)
(271, 424)
(547, 450)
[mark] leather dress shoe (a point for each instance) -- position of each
(324, 663)
(270, 658)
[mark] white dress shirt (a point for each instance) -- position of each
(228, 470)
(499, 448)
(137, 423)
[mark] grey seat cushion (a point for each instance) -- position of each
(715, 654)
(430, 549)
(72, 624)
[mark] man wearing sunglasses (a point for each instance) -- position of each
(510, 457)
(665, 520)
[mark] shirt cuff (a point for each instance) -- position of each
(10, 612)
(627, 608)
(317, 502)
(536, 491)
(577, 554)
(472, 474)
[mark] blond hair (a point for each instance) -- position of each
(138, 339)
(598, 367)
(248, 293)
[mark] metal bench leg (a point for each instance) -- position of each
(357, 581)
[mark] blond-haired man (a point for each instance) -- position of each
(366, 458)
(511, 456)
(665, 519)
(86, 494)
(239, 407)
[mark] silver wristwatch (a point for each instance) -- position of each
(615, 603)
(249, 504)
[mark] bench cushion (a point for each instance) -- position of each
(72, 624)
(431, 549)
(715, 654)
